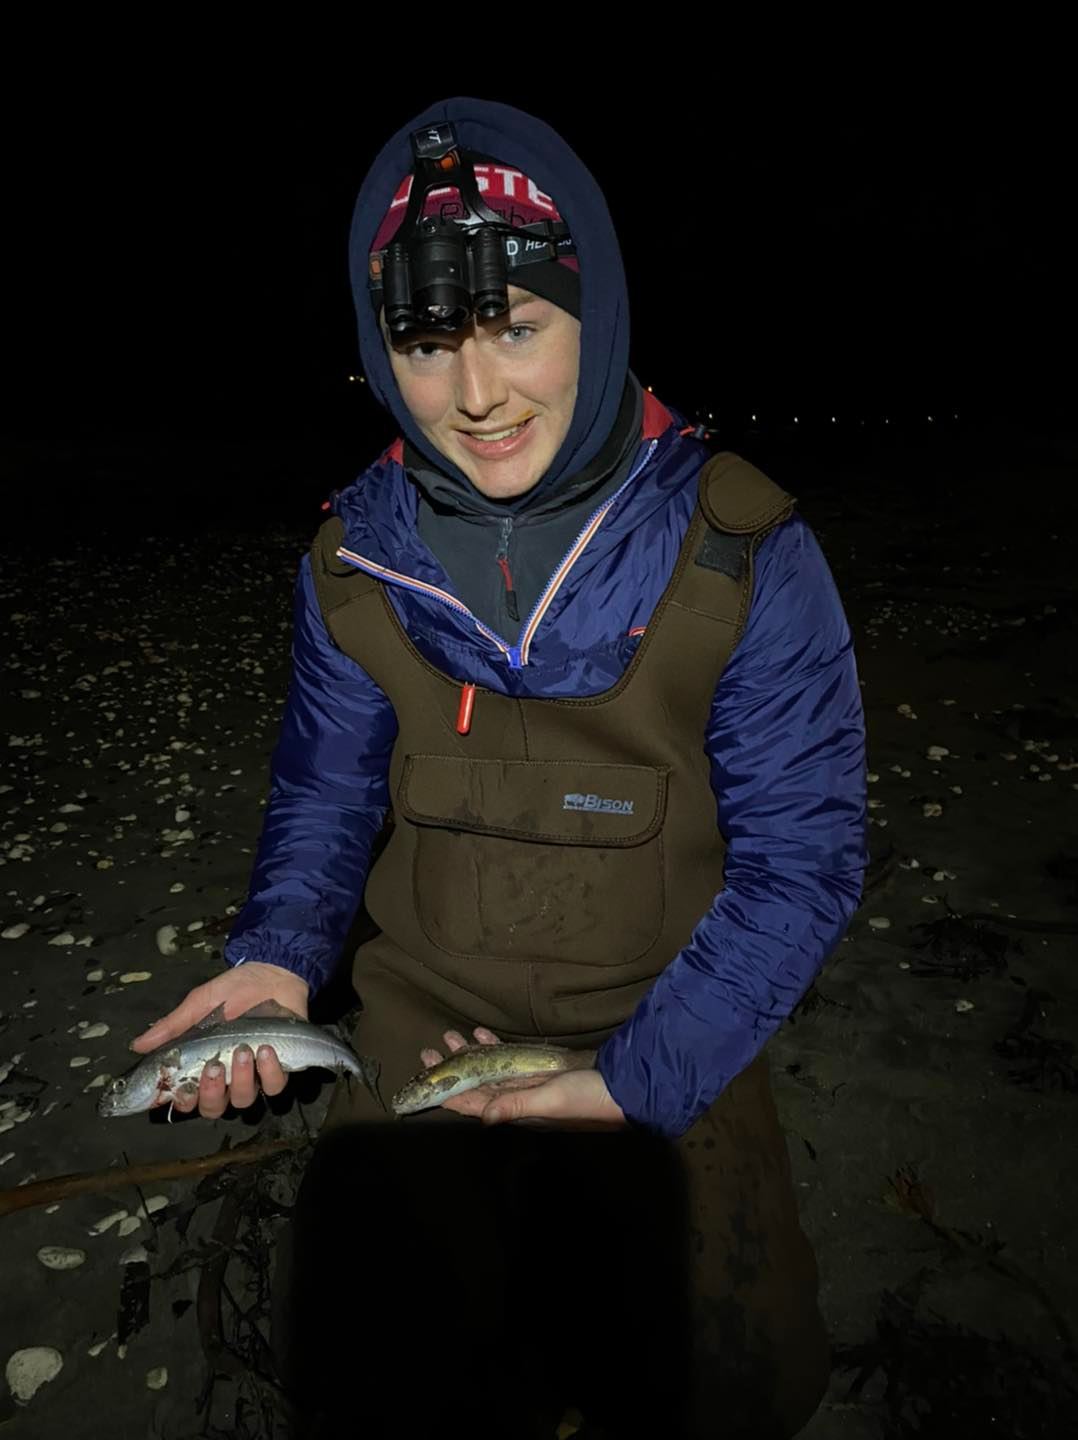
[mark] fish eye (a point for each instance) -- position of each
(119, 1085)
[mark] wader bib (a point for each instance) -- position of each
(542, 869)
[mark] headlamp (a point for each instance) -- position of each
(437, 272)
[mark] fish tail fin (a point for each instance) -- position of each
(370, 1071)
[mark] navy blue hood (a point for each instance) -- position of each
(520, 140)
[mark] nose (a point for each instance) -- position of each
(480, 386)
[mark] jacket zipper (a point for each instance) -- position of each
(517, 655)
(569, 559)
(505, 529)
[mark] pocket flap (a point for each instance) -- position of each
(567, 802)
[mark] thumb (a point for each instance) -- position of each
(174, 1023)
(519, 1104)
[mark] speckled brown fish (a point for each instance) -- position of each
(476, 1065)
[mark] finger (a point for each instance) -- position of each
(518, 1104)
(430, 1057)
(196, 1006)
(162, 1031)
(184, 1097)
(472, 1102)
(454, 1039)
(244, 1087)
(212, 1092)
(485, 1036)
(271, 1072)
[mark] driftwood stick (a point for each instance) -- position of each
(60, 1187)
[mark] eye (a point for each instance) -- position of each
(119, 1085)
(434, 346)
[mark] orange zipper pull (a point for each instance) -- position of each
(467, 705)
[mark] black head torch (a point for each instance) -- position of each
(437, 272)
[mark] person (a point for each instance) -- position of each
(587, 693)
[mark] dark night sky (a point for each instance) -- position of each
(179, 250)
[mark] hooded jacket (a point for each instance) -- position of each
(597, 542)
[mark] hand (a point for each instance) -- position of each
(573, 1100)
(237, 989)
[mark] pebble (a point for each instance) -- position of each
(64, 938)
(175, 889)
(931, 808)
(60, 1257)
(130, 976)
(14, 932)
(92, 1032)
(937, 752)
(963, 1005)
(166, 940)
(107, 1223)
(96, 1350)
(27, 1370)
(77, 1060)
(880, 922)
(153, 1204)
(157, 1378)
(95, 975)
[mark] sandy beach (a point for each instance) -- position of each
(928, 1081)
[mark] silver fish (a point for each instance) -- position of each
(475, 1065)
(298, 1045)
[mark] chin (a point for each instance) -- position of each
(496, 488)
(503, 481)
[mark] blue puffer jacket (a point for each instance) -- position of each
(785, 741)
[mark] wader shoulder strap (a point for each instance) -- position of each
(740, 505)
(336, 583)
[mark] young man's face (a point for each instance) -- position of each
(487, 377)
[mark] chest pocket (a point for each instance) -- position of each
(537, 860)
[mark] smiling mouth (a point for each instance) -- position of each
(502, 434)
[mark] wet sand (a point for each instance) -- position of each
(929, 1081)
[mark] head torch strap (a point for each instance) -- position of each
(440, 161)
(523, 245)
